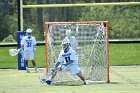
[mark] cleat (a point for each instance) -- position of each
(48, 82)
(27, 71)
(36, 70)
(86, 83)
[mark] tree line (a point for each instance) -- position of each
(123, 20)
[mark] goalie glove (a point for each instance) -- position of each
(20, 50)
(62, 67)
(52, 71)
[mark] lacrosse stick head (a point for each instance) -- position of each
(13, 52)
(68, 33)
(42, 77)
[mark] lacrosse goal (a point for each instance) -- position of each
(92, 40)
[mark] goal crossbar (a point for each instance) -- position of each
(80, 5)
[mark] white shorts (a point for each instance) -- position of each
(73, 68)
(28, 55)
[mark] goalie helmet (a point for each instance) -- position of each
(29, 32)
(68, 33)
(65, 45)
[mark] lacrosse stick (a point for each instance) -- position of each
(13, 52)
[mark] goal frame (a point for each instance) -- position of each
(46, 27)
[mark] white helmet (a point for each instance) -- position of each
(66, 44)
(65, 41)
(29, 32)
(68, 33)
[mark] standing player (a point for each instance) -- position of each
(28, 45)
(67, 61)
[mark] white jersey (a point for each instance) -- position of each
(66, 57)
(28, 43)
(73, 42)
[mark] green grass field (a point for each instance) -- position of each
(120, 54)
(124, 79)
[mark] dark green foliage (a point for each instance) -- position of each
(4, 27)
(123, 20)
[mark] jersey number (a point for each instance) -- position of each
(29, 43)
(67, 59)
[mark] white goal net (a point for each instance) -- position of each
(92, 51)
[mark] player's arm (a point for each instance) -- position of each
(59, 60)
(34, 44)
(56, 65)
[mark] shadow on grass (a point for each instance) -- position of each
(75, 83)
(114, 83)
(68, 83)
(80, 83)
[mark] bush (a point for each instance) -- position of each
(123, 21)
(4, 30)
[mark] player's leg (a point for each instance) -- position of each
(31, 56)
(81, 77)
(34, 65)
(25, 55)
(26, 64)
(76, 71)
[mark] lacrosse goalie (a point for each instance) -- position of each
(67, 61)
(28, 46)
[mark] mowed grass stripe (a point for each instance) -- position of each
(24, 82)
(120, 54)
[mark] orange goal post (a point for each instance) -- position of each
(93, 49)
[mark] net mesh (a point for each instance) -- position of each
(92, 49)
